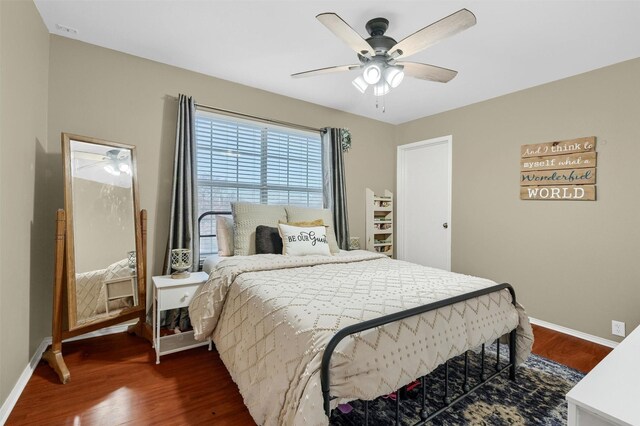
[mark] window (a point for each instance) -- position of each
(242, 160)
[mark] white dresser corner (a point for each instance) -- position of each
(610, 393)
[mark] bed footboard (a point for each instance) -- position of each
(448, 400)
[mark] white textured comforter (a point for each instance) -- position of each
(271, 317)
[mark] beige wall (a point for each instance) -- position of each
(26, 225)
(572, 263)
(110, 95)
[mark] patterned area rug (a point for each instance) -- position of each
(536, 398)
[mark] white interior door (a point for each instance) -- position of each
(424, 203)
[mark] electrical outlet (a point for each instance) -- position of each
(617, 328)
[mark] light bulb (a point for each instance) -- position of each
(124, 168)
(372, 73)
(112, 170)
(360, 84)
(394, 75)
(381, 89)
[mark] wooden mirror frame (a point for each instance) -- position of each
(65, 323)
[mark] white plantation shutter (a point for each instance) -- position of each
(242, 160)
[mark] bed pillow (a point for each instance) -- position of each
(317, 222)
(304, 240)
(224, 235)
(268, 240)
(210, 263)
(300, 214)
(246, 218)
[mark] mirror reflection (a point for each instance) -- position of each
(103, 230)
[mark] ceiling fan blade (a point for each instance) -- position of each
(96, 164)
(327, 70)
(93, 156)
(432, 34)
(344, 32)
(427, 72)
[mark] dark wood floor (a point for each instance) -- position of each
(568, 350)
(114, 380)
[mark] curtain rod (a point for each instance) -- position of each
(265, 120)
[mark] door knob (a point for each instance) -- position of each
(445, 225)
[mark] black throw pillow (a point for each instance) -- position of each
(268, 240)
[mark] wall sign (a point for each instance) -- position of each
(562, 170)
(558, 177)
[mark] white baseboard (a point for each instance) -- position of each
(8, 405)
(574, 333)
(11, 400)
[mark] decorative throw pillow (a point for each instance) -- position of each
(317, 222)
(304, 240)
(224, 235)
(299, 214)
(246, 217)
(268, 240)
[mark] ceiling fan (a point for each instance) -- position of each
(379, 54)
(114, 161)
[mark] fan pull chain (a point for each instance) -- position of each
(384, 107)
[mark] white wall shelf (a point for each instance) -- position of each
(379, 222)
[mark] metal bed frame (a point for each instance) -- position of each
(448, 400)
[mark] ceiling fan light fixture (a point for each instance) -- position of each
(394, 75)
(381, 89)
(372, 73)
(360, 84)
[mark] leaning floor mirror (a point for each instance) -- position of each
(100, 244)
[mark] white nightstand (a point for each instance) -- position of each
(169, 293)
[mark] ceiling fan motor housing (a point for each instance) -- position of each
(378, 41)
(377, 26)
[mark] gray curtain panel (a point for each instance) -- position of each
(335, 194)
(183, 225)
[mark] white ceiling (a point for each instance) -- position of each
(515, 45)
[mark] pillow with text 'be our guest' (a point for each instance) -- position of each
(304, 241)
